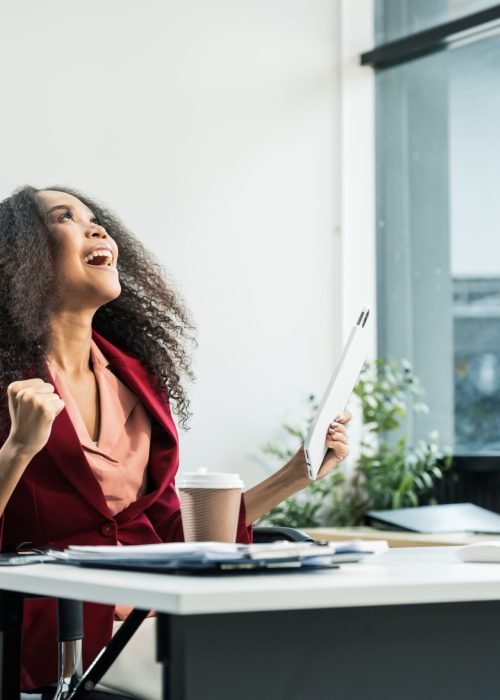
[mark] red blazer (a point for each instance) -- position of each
(58, 501)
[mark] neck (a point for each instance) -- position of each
(69, 348)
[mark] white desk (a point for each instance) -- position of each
(400, 576)
(399, 616)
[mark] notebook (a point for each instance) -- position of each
(454, 517)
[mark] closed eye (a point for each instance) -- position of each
(69, 215)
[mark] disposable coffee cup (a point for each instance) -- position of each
(210, 505)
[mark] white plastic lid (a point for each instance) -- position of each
(203, 479)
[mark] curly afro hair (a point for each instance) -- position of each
(147, 320)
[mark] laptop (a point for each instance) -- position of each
(453, 517)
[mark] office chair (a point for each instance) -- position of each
(72, 683)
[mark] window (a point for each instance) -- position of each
(395, 19)
(438, 219)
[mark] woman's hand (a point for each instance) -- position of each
(293, 476)
(33, 407)
(337, 441)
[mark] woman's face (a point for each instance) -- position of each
(87, 255)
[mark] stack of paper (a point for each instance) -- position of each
(221, 552)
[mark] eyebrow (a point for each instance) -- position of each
(62, 206)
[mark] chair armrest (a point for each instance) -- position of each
(69, 620)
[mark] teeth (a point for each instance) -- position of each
(99, 253)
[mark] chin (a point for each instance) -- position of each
(106, 294)
(115, 293)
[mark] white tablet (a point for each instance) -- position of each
(337, 393)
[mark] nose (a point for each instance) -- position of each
(96, 231)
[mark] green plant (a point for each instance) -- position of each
(389, 472)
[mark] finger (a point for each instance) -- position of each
(48, 398)
(340, 439)
(337, 431)
(39, 389)
(344, 417)
(337, 424)
(35, 390)
(43, 389)
(339, 449)
(16, 386)
(52, 406)
(60, 407)
(32, 392)
(337, 428)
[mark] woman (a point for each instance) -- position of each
(91, 354)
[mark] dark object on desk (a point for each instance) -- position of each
(273, 533)
(215, 568)
(454, 517)
(198, 557)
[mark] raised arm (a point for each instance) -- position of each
(33, 407)
(293, 476)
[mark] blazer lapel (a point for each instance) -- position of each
(66, 453)
(117, 403)
(164, 452)
(138, 379)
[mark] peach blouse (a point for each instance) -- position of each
(119, 457)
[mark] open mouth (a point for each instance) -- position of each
(99, 258)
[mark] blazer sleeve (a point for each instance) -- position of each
(244, 533)
(165, 515)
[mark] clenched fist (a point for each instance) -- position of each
(33, 407)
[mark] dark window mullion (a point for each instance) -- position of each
(430, 40)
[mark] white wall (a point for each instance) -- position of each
(357, 184)
(212, 129)
(357, 142)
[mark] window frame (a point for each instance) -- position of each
(442, 37)
(428, 41)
